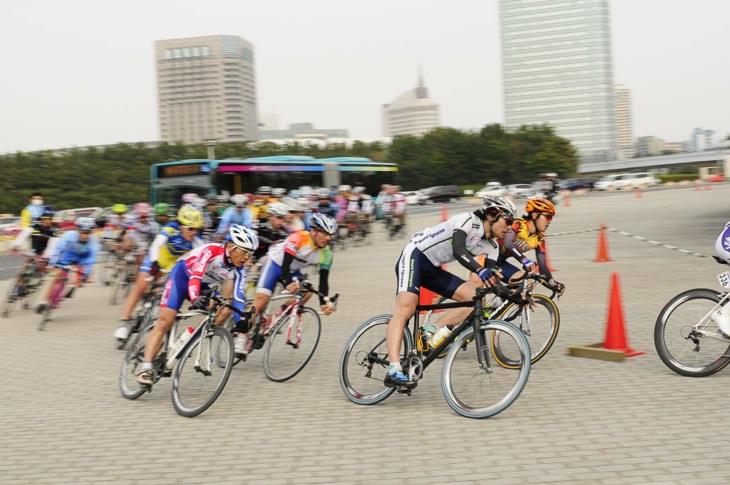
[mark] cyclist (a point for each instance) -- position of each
(32, 212)
(525, 234)
(174, 240)
(211, 216)
(296, 220)
(115, 221)
(43, 237)
(238, 214)
(722, 249)
(299, 250)
(394, 206)
(460, 238)
(324, 203)
(140, 229)
(76, 247)
(271, 230)
(161, 215)
(192, 274)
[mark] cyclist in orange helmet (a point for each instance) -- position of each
(525, 234)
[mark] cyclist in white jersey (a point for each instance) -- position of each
(460, 238)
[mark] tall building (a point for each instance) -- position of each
(206, 89)
(412, 113)
(623, 122)
(302, 130)
(557, 65)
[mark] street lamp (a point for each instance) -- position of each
(211, 143)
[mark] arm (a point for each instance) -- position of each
(87, 264)
(509, 245)
(197, 272)
(461, 254)
(157, 244)
(239, 291)
(22, 237)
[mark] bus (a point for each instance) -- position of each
(170, 180)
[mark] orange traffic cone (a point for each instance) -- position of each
(566, 198)
(697, 186)
(638, 192)
(444, 213)
(615, 328)
(426, 297)
(708, 186)
(602, 256)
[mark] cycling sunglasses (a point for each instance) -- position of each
(196, 229)
(547, 215)
(509, 220)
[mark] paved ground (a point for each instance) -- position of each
(578, 420)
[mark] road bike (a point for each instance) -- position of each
(126, 274)
(394, 226)
(685, 336)
(26, 284)
(199, 369)
(290, 336)
(108, 261)
(57, 294)
(473, 387)
(536, 315)
(149, 307)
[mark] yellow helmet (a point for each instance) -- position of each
(540, 205)
(190, 216)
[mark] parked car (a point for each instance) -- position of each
(607, 182)
(65, 218)
(492, 189)
(577, 184)
(10, 226)
(520, 191)
(716, 177)
(439, 193)
(635, 180)
(412, 196)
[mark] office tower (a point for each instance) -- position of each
(412, 113)
(206, 89)
(623, 122)
(557, 67)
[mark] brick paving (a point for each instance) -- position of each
(577, 421)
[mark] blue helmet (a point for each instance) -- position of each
(85, 223)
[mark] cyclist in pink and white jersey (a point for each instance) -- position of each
(192, 274)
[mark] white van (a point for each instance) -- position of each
(608, 182)
(636, 180)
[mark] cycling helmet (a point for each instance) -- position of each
(48, 211)
(239, 200)
(143, 209)
(324, 192)
(264, 190)
(161, 208)
(499, 205)
(278, 192)
(358, 190)
(190, 216)
(189, 197)
(277, 209)
(119, 208)
(223, 198)
(85, 223)
(540, 205)
(243, 237)
(295, 193)
(324, 223)
(344, 188)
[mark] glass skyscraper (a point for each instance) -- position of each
(557, 68)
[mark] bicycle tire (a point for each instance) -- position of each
(10, 301)
(283, 361)
(54, 297)
(45, 316)
(460, 364)
(184, 405)
(366, 349)
(676, 320)
(542, 330)
(133, 358)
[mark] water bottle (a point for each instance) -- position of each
(184, 337)
(439, 337)
(427, 332)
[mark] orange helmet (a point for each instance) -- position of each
(540, 205)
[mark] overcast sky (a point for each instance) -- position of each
(77, 73)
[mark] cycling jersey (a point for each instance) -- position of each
(267, 237)
(142, 233)
(233, 216)
(70, 250)
(722, 244)
(518, 241)
(394, 203)
(196, 270)
(436, 242)
(167, 247)
(30, 215)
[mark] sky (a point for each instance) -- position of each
(82, 72)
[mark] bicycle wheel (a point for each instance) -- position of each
(11, 299)
(133, 359)
(476, 392)
(197, 380)
(291, 344)
(686, 338)
(364, 362)
(539, 323)
(54, 300)
(32, 289)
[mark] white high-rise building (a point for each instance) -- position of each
(412, 113)
(206, 89)
(557, 64)
(623, 122)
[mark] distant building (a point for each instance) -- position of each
(623, 122)
(268, 122)
(673, 147)
(557, 69)
(700, 140)
(206, 89)
(649, 145)
(412, 113)
(302, 130)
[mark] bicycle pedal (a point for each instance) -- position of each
(405, 390)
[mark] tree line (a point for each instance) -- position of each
(81, 177)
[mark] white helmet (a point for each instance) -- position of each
(323, 192)
(278, 192)
(243, 237)
(344, 188)
(239, 200)
(324, 223)
(277, 209)
(499, 204)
